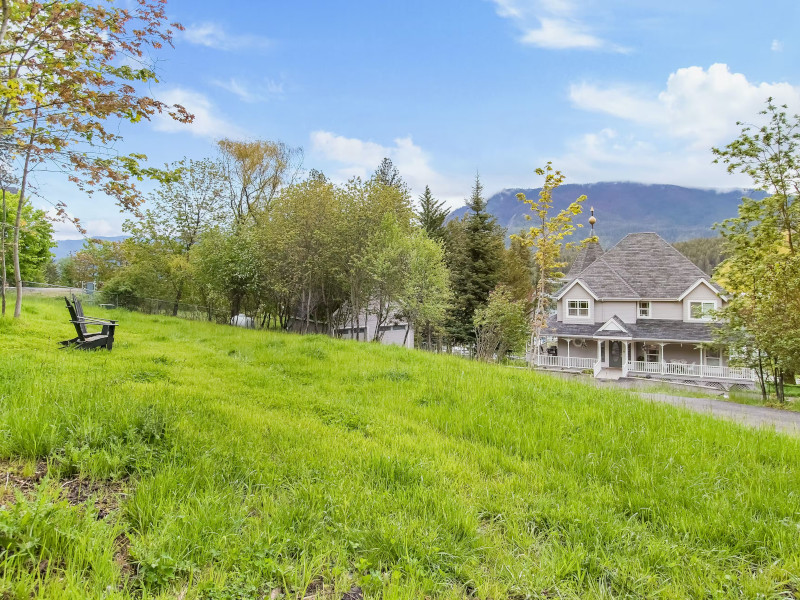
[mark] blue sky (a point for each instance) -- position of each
(606, 89)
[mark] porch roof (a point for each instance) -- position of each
(645, 330)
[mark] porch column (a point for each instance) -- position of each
(702, 360)
(625, 359)
(661, 358)
(599, 357)
(569, 340)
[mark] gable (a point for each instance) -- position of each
(580, 285)
(613, 324)
(701, 283)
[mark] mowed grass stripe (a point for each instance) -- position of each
(258, 460)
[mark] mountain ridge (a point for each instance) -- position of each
(676, 213)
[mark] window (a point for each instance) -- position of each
(578, 308)
(651, 353)
(713, 357)
(644, 309)
(701, 310)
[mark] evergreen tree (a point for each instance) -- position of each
(516, 273)
(476, 263)
(432, 215)
(388, 175)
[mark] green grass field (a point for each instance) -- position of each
(204, 461)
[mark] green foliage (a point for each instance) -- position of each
(97, 260)
(501, 326)
(35, 241)
(475, 259)
(546, 236)
(706, 253)
(404, 473)
(431, 215)
(517, 272)
(763, 264)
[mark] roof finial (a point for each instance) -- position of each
(592, 220)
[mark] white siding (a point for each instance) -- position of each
(702, 293)
(587, 351)
(624, 310)
(666, 310)
(577, 292)
(393, 331)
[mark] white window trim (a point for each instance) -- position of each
(578, 317)
(639, 314)
(702, 310)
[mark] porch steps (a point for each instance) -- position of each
(611, 374)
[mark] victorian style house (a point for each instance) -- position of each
(641, 309)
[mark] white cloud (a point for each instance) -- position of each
(207, 121)
(667, 136)
(360, 158)
(552, 24)
(560, 34)
(66, 230)
(699, 106)
(250, 93)
(777, 46)
(212, 35)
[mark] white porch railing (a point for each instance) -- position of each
(680, 369)
(562, 362)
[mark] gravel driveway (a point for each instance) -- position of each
(758, 416)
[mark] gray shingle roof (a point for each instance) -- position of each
(586, 256)
(641, 265)
(644, 330)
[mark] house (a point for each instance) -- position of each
(395, 329)
(641, 309)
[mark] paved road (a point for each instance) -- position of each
(758, 416)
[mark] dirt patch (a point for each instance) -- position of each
(20, 477)
(106, 494)
(122, 557)
(355, 593)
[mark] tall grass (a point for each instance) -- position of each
(246, 461)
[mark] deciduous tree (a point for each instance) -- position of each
(501, 326)
(61, 79)
(546, 237)
(255, 171)
(763, 264)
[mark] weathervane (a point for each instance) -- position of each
(592, 220)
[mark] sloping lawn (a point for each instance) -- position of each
(204, 461)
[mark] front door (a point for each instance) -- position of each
(615, 355)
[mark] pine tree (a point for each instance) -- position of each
(477, 258)
(388, 175)
(432, 215)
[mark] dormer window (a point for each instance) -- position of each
(701, 311)
(578, 308)
(644, 310)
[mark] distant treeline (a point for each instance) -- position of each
(705, 252)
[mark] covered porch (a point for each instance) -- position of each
(616, 356)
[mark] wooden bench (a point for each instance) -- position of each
(86, 340)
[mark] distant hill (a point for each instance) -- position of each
(675, 213)
(64, 248)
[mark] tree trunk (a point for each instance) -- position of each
(177, 300)
(3, 256)
(20, 204)
(761, 378)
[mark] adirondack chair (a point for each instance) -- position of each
(86, 340)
